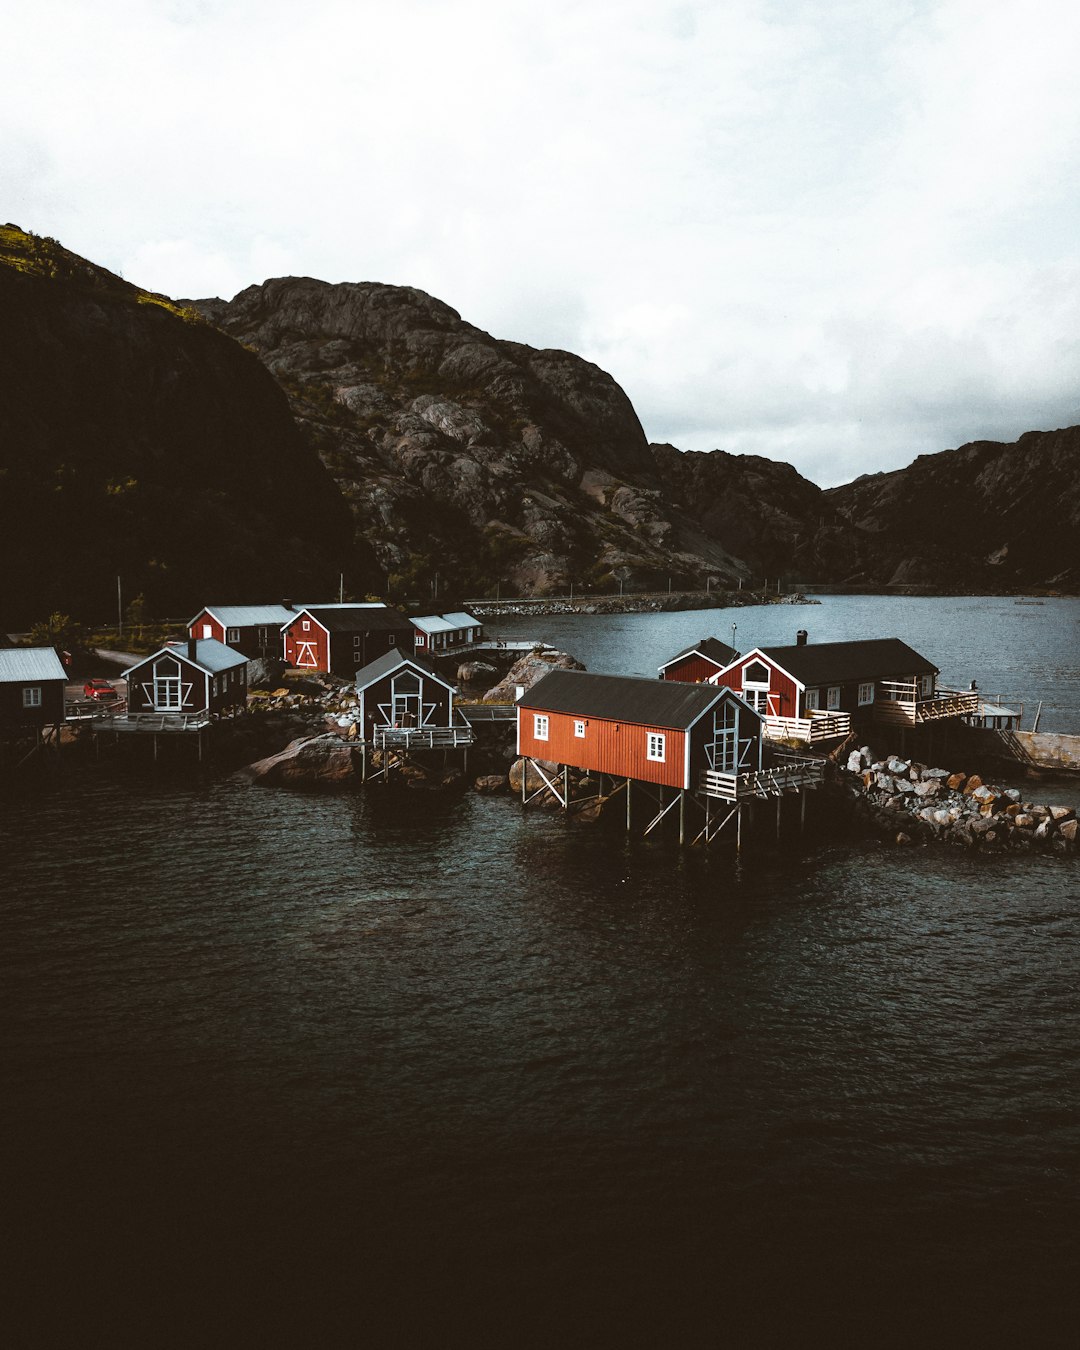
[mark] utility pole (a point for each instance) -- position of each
(119, 611)
(341, 588)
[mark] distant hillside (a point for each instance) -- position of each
(985, 517)
(136, 440)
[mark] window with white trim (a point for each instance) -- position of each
(31, 696)
(655, 746)
(540, 727)
(926, 686)
(833, 698)
(391, 641)
(866, 693)
(232, 635)
(579, 728)
(813, 700)
(305, 624)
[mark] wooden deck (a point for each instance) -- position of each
(792, 774)
(457, 737)
(900, 705)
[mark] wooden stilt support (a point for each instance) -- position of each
(738, 830)
(802, 810)
(628, 805)
(566, 786)
(682, 817)
(779, 803)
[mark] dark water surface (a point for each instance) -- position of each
(380, 1069)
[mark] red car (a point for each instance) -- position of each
(101, 690)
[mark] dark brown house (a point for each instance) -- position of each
(199, 676)
(32, 684)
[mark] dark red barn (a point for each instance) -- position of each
(341, 639)
(700, 662)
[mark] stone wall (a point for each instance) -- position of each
(907, 801)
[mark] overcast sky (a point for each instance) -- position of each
(835, 232)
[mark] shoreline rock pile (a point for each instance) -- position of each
(908, 801)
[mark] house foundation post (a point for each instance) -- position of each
(682, 817)
(566, 786)
(738, 830)
(628, 805)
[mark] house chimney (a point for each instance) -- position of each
(192, 649)
(800, 638)
(286, 604)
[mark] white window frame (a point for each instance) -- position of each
(540, 726)
(656, 746)
(866, 693)
(812, 701)
(31, 696)
(832, 698)
(305, 624)
(579, 728)
(926, 686)
(232, 634)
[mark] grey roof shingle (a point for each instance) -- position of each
(30, 663)
(622, 698)
(840, 662)
(357, 618)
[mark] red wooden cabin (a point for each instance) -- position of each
(254, 630)
(653, 731)
(341, 639)
(700, 662)
(880, 679)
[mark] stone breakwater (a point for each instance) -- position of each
(906, 801)
(631, 604)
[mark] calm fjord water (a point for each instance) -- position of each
(374, 1066)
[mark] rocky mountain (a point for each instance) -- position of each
(469, 461)
(986, 517)
(138, 441)
(260, 446)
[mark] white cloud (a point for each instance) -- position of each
(825, 231)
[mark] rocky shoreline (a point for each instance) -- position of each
(907, 802)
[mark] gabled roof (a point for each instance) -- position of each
(211, 656)
(462, 620)
(390, 661)
(354, 618)
(30, 663)
(709, 647)
(245, 616)
(837, 662)
(622, 698)
(433, 623)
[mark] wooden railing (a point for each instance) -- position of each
(817, 726)
(155, 721)
(900, 703)
(457, 737)
(793, 774)
(488, 712)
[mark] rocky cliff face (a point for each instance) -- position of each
(460, 455)
(136, 440)
(988, 516)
